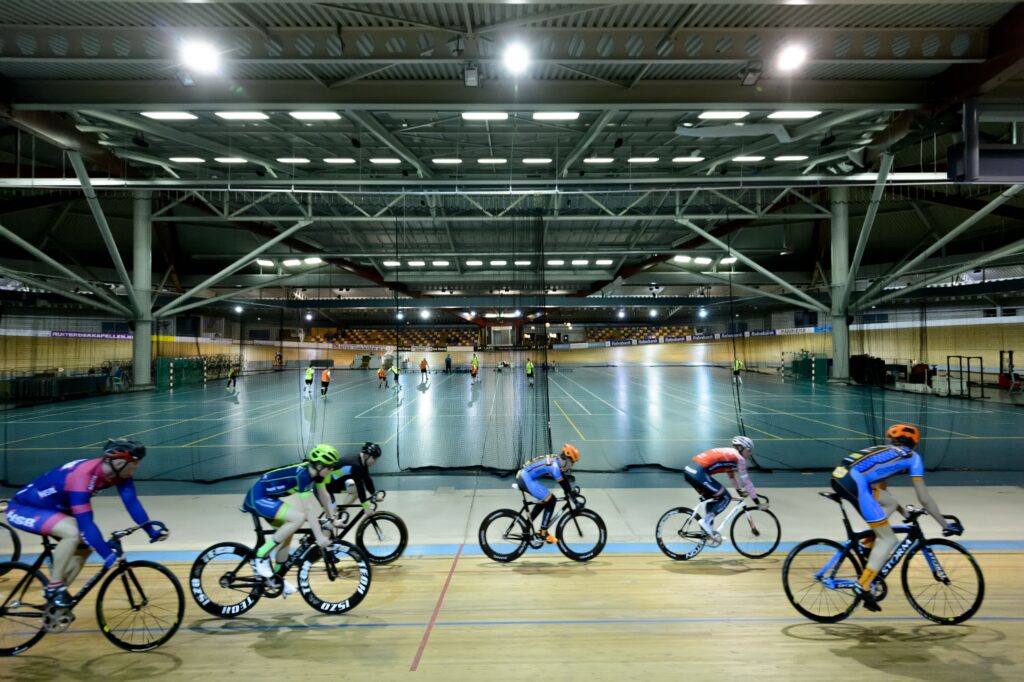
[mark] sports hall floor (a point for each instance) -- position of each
(445, 611)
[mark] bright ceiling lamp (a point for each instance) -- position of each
(484, 116)
(522, 262)
(653, 313)
(581, 261)
(556, 115)
(439, 263)
(747, 159)
(793, 115)
(537, 161)
(313, 260)
(446, 162)
(728, 260)
(791, 58)
(516, 58)
(392, 263)
(169, 115)
(603, 261)
(492, 161)
(339, 160)
(314, 115)
(292, 262)
(263, 262)
(230, 159)
(385, 160)
(499, 263)
(599, 159)
(425, 314)
(199, 56)
(292, 159)
(702, 260)
(621, 314)
(416, 263)
(241, 115)
(791, 157)
(682, 259)
(724, 115)
(556, 261)
(474, 263)
(187, 159)
(688, 159)
(643, 159)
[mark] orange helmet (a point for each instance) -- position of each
(570, 453)
(904, 434)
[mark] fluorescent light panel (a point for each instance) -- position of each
(603, 261)
(492, 162)
(230, 159)
(484, 116)
(264, 262)
(536, 161)
(439, 263)
(793, 115)
(682, 259)
(702, 260)
(385, 161)
(416, 263)
(187, 159)
(791, 157)
(292, 262)
(581, 261)
(747, 159)
(241, 115)
(599, 159)
(392, 263)
(292, 159)
(688, 159)
(723, 115)
(313, 260)
(499, 263)
(314, 115)
(339, 159)
(169, 115)
(474, 263)
(556, 115)
(728, 260)
(643, 159)
(522, 262)
(556, 261)
(447, 162)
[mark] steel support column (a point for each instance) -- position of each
(142, 281)
(841, 282)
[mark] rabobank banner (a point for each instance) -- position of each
(621, 342)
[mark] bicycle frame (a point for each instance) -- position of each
(302, 549)
(567, 505)
(727, 519)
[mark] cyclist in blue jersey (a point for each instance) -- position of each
(552, 466)
(59, 504)
(862, 481)
(306, 479)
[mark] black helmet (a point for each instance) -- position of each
(370, 449)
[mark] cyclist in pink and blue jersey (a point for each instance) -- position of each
(59, 504)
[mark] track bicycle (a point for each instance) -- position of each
(10, 544)
(224, 582)
(940, 578)
(753, 531)
(139, 606)
(505, 534)
(381, 536)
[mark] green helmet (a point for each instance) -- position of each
(323, 454)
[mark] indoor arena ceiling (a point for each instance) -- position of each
(400, 124)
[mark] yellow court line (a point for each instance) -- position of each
(404, 426)
(559, 386)
(77, 428)
(594, 394)
(571, 422)
(241, 426)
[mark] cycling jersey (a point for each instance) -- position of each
(44, 502)
(539, 467)
(728, 461)
(856, 478)
(264, 496)
(351, 468)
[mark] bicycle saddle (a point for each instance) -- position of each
(831, 495)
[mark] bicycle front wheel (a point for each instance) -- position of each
(678, 534)
(504, 535)
(943, 582)
(22, 606)
(581, 534)
(10, 545)
(140, 606)
(810, 574)
(223, 582)
(334, 579)
(382, 537)
(755, 533)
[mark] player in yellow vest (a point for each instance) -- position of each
(529, 370)
(308, 393)
(394, 372)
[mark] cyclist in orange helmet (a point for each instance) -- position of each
(555, 466)
(861, 481)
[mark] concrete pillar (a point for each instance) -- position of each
(840, 274)
(142, 282)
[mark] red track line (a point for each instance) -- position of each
(437, 610)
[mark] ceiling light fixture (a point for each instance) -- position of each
(723, 115)
(241, 115)
(728, 260)
(439, 263)
(484, 116)
(446, 162)
(417, 263)
(339, 159)
(603, 261)
(599, 159)
(791, 58)
(425, 314)
(688, 159)
(556, 115)
(499, 263)
(682, 259)
(238, 308)
(581, 261)
(314, 115)
(747, 159)
(294, 160)
(492, 162)
(516, 58)
(522, 262)
(199, 56)
(536, 160)
(702, 260)
(622, 314)
(791, 157)
(793, 115)
(643, 159)
(292, 262)
(263, 262)
(230, 159)
(392, 263)
(169, 115)
(474, 263)
(187, 159)
(385, 160)
(556, 261)
(702, 313)
(313, 260)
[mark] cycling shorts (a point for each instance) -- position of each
(532, 486)
(703, 482)
(863, 496)
(33, 519)
(267, 507)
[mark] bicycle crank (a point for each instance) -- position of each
(57, 619)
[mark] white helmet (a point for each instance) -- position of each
(743, 443)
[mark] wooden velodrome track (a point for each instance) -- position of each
(621, 616)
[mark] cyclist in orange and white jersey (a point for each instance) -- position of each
(731, 461)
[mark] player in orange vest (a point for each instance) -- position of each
(325, 382)
(423, 371)
(382, 377)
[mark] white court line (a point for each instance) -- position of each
(595, 395)
(571, 397)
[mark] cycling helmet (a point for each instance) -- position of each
(123, 449)
(743, 443)
(570, 453)
(370, 450)
(323, 454)
(904, 434)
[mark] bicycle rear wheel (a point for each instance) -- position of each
(581, 534)
(382, 537)
(943, 582)
(22, 606)
(223, 582)
(10, 544)
(504, 535)
(806, 576)
(334, 579)
(140, 606)
(678, 534)
(755, 533)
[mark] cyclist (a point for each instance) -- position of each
(555, 466)
(353, 472)
(59, 504)
(264, 498)
(861, 481)
(732, 461)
